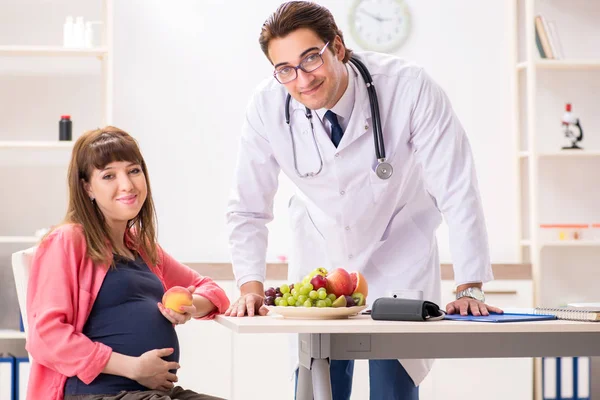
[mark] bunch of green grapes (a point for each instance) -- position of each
(303, 295)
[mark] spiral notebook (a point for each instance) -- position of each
(571, 313)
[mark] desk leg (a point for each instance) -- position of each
(304, 390)
(314, 349)
(321, 379)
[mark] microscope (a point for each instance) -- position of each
(572, 129)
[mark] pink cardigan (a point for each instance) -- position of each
(63, 285)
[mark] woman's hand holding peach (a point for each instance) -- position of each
(178, 304)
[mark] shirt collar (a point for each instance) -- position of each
(343, 108)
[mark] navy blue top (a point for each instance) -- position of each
(126, 318)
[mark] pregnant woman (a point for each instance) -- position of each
(97, 327)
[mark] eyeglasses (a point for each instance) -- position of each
(308, 64)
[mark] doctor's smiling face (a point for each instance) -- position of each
(302, 50)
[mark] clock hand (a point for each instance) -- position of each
(375, 17)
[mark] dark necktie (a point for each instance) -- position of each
(336, 129)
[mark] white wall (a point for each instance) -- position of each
(183, 74)
(185, 71)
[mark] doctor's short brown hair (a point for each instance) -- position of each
(301, 14)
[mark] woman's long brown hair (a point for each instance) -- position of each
(94, 150)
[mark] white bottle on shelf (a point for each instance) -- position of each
(89, 35)
(79, 33)
(68, 32)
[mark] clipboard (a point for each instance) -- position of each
(493, 317)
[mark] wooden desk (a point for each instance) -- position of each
(361, 337)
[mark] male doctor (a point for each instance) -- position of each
(343, 213)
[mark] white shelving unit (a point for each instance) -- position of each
(530, 157)
(563, 154)
(18, 239)
(103, 53)
(34, 144)
(52, 51)
(11, 334)
(24, 148)
(571, 243)
(559, 64)
(550, 260)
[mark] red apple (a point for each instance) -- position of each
(339, 282)
(318, 281)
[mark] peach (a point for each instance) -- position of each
(339, 282)
(176, 297)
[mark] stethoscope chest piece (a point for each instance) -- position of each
(384, 170)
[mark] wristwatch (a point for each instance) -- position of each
(472, 292)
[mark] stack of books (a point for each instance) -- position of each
(547, 40)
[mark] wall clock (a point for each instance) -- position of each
(379, 25)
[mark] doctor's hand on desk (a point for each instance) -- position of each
(470, 300)
(250, 303)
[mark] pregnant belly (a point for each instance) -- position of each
(133, 328)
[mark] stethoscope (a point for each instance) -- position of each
(384, 169)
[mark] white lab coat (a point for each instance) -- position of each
(346, 216)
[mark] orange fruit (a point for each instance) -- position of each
(360, 283)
